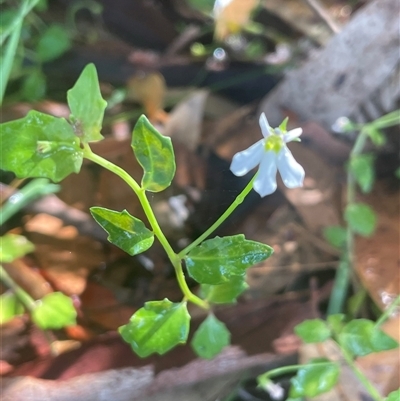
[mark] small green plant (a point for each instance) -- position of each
(360, 217)
(26, 43)
(46, 148)
(354, 337)
(40, 145)
(357, 337)
(54, 310)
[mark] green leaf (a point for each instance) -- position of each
(54, 311)
(125, 231)
(355, 302)
(9, 307)
(393, 396)
(255, 49)
(360, 337)
(335, 235)
(13, 246)
(53, 43)
(41, 6)
(205, 6)
(157, 327)
(155, 154)
(376, 136)
(224, 293)
(8, 17)
(217, 260)
(34, 86)
(87, 106)
(39, 145)
(314, 379)
(362, 167)
(313, 331)
(336, 322)
(361, 218)
(210, 338)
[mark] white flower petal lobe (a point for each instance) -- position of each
(265, 182)
(292, 134)
(246, 160)
(292, 173)
(264, 125)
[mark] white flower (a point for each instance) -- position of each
(275, 391)
(272, 154)
(341, 125)
(219, 5)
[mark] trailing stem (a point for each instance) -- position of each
(344, 272)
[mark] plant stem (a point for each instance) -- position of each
(8, 58)
(388, 312)
(286, 369)
(340, 287)
(21, 294)
(239, 199)
(25, 8)
(141, 194)
(360, 375)
(29, 193)
(343, 274)
(324, 15)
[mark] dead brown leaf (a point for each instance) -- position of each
(149, 90)
(231, 18)
(377, 257)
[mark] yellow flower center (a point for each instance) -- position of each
(274, 143)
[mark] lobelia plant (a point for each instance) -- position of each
(40, 145)
(357, 337)
(353, 337)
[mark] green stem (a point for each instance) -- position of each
(8, 59)
(25, 8)
(283, 370)
(388, 312)
(29, 193)
(141, 194)
(21, 294)
(387, 120)
(26, 300)
(360, 375)
(266, 377)
(343, 274)
(340, 287)
(239, 199)
(13, 31)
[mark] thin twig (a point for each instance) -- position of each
(321, 12)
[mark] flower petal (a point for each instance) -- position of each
(291, 172)
(265, 182)
(219, 6)
(246, 160)
(292, 134)
(264, 125)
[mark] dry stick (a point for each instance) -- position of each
(321, 12)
